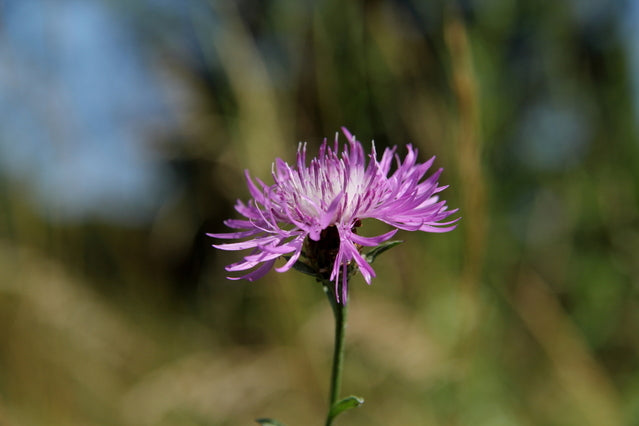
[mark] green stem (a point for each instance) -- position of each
(340, 312)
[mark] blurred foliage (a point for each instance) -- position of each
(527, 314)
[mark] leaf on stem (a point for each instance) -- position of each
(345, 404)
(371, 255)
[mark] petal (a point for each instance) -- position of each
(256, 274)
(253, 189)
(231, 235)
(348, 252)
(238, 224)
(289, 264)
(261, 257)
(241, 266)
(245, 244)
(348, 134)
(327, 217)
(365, 268)
(430, 228)
(344, 284)
(281, 249)
(372, 241)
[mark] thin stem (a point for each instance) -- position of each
(340, 312)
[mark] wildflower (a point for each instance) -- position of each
(312, 212)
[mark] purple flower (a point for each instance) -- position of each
(312, 212)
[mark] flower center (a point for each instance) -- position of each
(321, 254)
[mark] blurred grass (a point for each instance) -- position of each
(525, 315)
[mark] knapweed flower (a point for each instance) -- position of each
(312, 212)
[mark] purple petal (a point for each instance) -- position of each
(289, 264)
(253, 189)
(244, 244)
(430, 228)
(257, 274)
(261, 257)
(348, 134)
(327, 217)
(238, 224)
(232, 235)
(372, 241)
(365, 268)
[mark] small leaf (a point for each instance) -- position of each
(371, 255)
(269, 422)
(345, 404)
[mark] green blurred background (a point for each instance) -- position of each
(124, 132)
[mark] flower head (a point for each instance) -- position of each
(313, 211)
